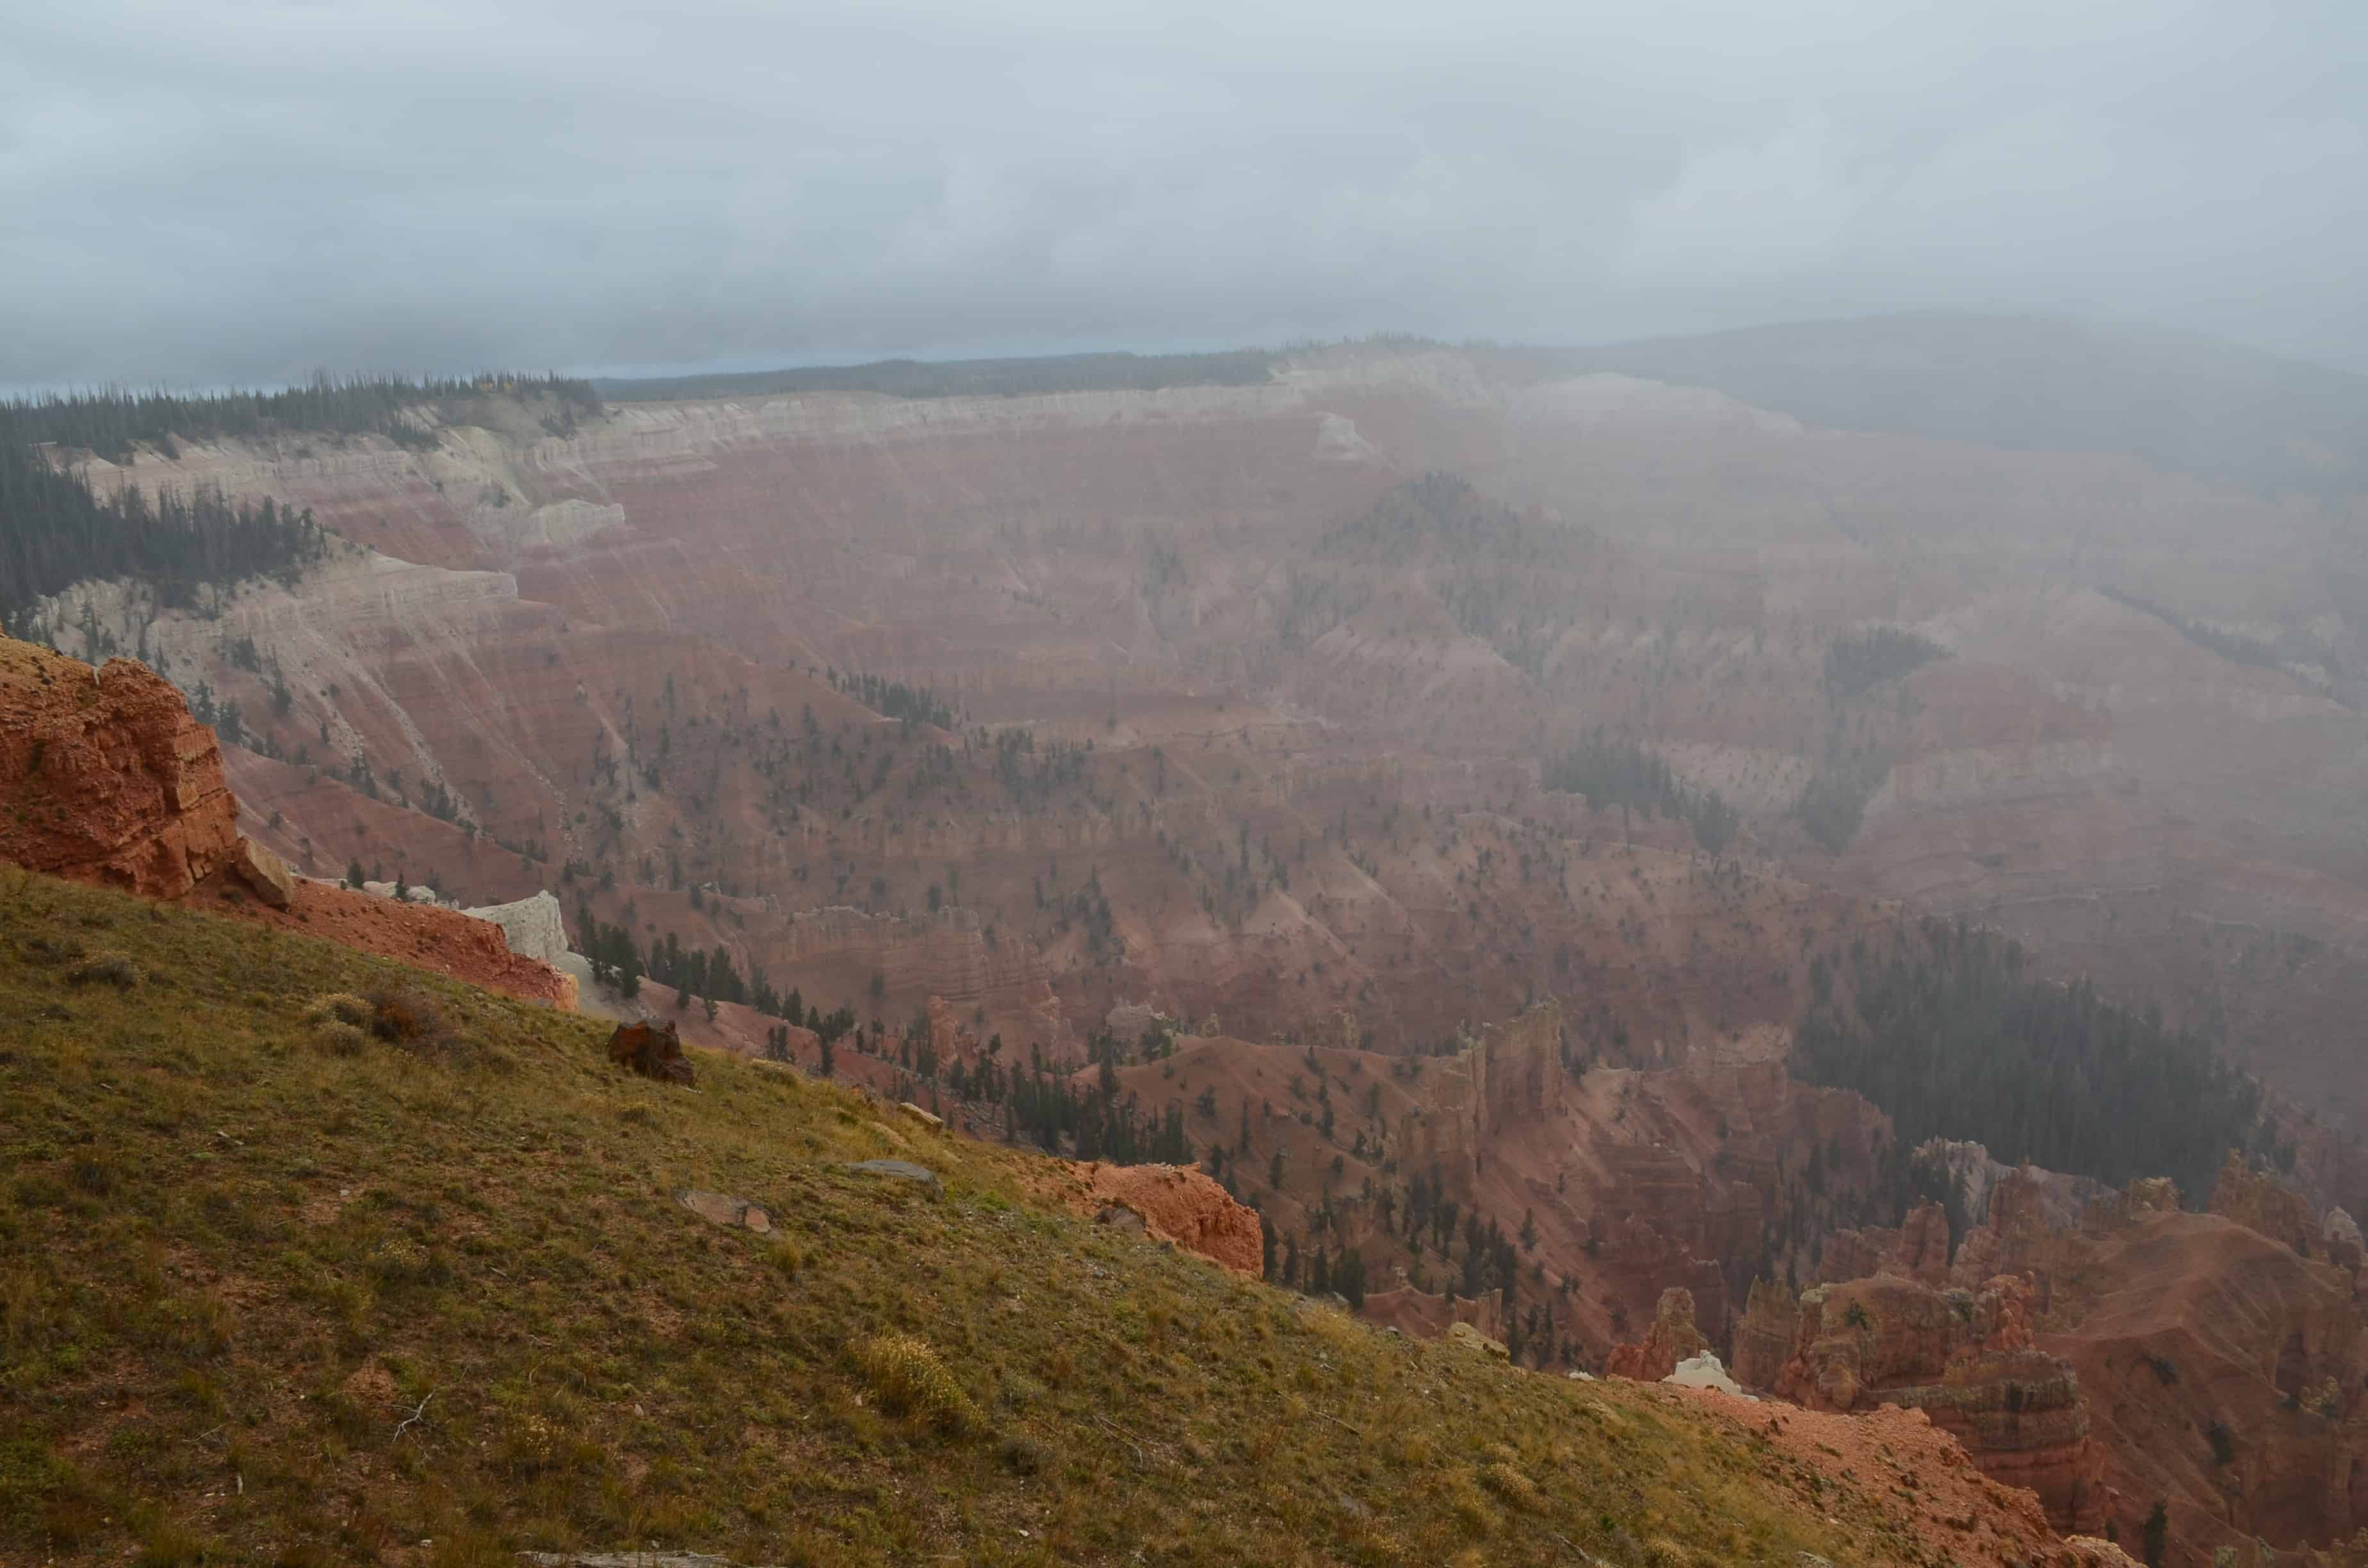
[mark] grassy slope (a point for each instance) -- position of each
(234, 1261)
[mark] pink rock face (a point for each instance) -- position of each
(105, 778)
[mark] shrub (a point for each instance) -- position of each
(1023, 1455)
(1508, 1482)
(2224, 1443)
(339, 1021)
(107, 969)
(339, 1007)
(397, 1262)
(407, 1017)
(910, 1380)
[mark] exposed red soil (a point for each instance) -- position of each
(424, 936)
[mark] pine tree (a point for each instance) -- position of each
(1349, 1278)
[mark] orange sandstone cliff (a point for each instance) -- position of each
(105, 778)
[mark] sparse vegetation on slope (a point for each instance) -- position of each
(276, 1286)
(1613, 772)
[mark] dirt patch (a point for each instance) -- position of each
(443, 941)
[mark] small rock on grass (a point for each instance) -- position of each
(722, 1209)
(904, 1170)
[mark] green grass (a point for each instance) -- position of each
(277, 1288)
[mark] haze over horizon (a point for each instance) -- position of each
(211, 194)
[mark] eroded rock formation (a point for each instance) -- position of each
(105, 778)
(2218, 1366)
(1969, 1360)
(1672, 1338)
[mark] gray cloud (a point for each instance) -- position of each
(212, 190)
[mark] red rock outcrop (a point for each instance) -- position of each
(2223, 1370)
(1918, 1249)
(1970, 1362)
(1672, 1338)
(1512, 1073)
(105, 778)
(1764, 1334)
(1180, 1205)
(653, 1050)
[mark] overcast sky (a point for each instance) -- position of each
(208, 191)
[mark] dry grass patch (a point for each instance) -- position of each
(910, 1380)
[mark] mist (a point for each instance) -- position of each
(202, 194)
